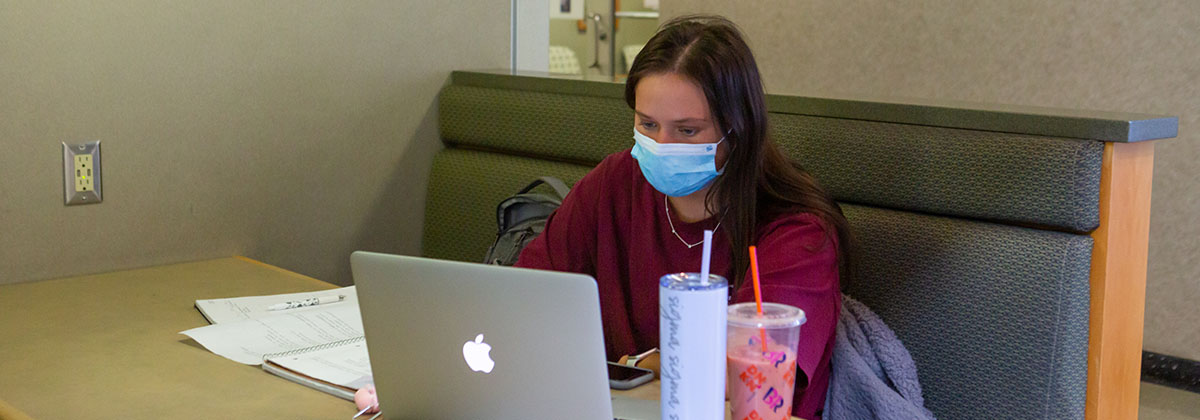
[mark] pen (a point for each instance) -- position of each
(313, 301)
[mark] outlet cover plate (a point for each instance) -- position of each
(79, 186)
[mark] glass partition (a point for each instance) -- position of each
(599, 37)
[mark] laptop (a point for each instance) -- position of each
(453, 340)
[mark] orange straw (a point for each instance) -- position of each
(757, 293)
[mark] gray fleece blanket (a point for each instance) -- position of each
(873, 376)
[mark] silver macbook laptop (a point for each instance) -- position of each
(452, 340)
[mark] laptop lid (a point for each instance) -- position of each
(453, 340)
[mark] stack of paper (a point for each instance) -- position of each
(320, 346)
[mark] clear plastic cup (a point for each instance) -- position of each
(761, 383)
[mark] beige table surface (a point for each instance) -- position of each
(653, 390)
(108, 346)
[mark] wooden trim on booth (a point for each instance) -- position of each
(1118, 282)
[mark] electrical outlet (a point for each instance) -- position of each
(84, 180)
(81, 173)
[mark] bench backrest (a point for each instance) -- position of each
(972, 242)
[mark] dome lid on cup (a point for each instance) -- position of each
(775, 315)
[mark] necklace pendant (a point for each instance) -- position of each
(667, 209)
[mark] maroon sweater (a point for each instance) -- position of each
(613, 227)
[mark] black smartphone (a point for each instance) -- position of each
(627, 377)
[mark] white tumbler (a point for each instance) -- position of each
(691, 317)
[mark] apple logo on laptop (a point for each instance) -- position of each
(476, 355)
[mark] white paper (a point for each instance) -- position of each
(692, 346)
(246, 341)
(250, 307)
(347, 365)
(650, 4)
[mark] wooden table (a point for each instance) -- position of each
(108, 346)
(652, 391)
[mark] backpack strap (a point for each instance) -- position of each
(559, 187)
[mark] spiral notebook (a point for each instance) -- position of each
(338, 368)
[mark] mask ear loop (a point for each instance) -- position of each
(732, 146)
(721, 172)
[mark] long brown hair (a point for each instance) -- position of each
(759, 181)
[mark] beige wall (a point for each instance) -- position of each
(1128, 55)
(290, 132)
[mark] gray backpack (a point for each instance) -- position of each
(522, 217)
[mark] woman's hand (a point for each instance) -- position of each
(365, 397)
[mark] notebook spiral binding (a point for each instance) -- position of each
(320, 347)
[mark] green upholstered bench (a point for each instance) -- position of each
(1006, 246)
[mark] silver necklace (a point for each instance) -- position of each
(667, 208)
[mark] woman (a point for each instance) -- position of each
(701, 160)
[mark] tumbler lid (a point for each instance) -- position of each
(692, 281)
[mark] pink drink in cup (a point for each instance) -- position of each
(762, 387)
(760, 384)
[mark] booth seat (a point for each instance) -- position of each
(1006, 246)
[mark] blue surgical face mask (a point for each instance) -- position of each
(676, 169)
